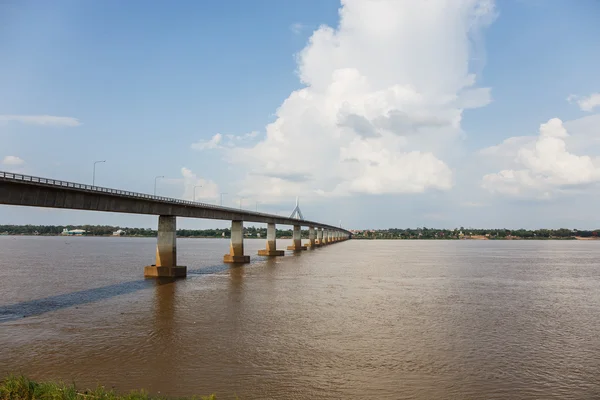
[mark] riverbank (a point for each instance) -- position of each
(22, 388)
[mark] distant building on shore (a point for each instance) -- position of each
(120, 232)
(74, 232)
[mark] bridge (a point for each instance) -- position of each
(31, 191)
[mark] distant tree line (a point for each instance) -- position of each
(473, 233)
(254, 232)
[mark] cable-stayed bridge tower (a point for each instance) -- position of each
(297, 214)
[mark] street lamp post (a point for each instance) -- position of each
(195, 187)
(241, 198)
(94, 176)
(257, 206)
(222, 198)
(155, 179)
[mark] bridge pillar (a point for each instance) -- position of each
(236, 247)
(271, 249)
(320, 237)
(311, 236)
(166, 251)
(329, 236)
(325, 237)
(297, 239)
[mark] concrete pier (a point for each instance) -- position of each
(297, 238)
(319, 237)
(311, 237)
(271, 249)
(324, 240)
(166, 251)
(236, 247)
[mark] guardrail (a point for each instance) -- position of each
(125, 193)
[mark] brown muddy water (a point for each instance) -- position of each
(358, 319)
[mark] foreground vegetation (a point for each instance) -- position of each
(22, 388)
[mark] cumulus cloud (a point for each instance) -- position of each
(586, 103)
(48, 120)
(212, 143)
(208, 192)
(220, 141)
(545, 166)
(381, 105)
(12, 160)
(297, 28)
(237, 140)
(472, 204)
(12, 164)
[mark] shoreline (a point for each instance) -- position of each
(288, 237)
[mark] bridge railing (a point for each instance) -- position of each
(81, 186)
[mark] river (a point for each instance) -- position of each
(358, 319)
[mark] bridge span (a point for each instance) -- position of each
(31, 191)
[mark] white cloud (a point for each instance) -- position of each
(381, 107)
(41, 120)
(472, 204)
(12, 164)
(213, 143)
(13, 161)
(508, 147)
(209, 192)
(236, 140)
(546, 167)
(220, 141)
(297, 28)
(586, 103)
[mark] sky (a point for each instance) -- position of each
(375, 113)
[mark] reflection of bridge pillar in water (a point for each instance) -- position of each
(236, 292)
(164, 335)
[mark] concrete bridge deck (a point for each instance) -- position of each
(24, 190)
(31, 191)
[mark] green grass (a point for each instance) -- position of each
(22, 388)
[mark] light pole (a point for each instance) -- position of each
(195, 187)
(222, 199)
(94, 176)
(155, 179)
(241, 198)
(256, 206)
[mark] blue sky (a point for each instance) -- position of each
(147, 86)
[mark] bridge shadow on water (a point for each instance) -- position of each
(36, 307)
